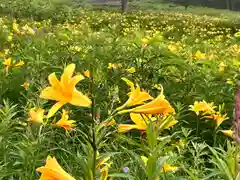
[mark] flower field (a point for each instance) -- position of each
(102, 95)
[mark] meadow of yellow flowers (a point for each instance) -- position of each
(104, 95)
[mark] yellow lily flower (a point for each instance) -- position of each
(36, 115)
(218, 118)
(172, 48)
(171, 124)
(131, 70)
(104, 173)
(168, 168)
(112, 66)
(202, 106)
(199, 55)
(136, 96)
(144, 159)
(53, 171)
(28, 30)
(25, 85)
(20, 63)
(86, 73)
(141, 123)
(15, 28)
(158, 105)
(228, 133)
(65, 123)
(103, 161)
(108, 123)
(221, 67)
(7, 62)
(64, 91)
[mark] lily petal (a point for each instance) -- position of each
(126, 127)
(75, 80)
(156, 106)
(50, 93)
(67, 74)
(52, 171)
(129, 83)
(53, 80)
(139, 119)
(143, 96)
(55, 108)
(79, 99)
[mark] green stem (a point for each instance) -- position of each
(197, 130)
(214, 137)
(164, 174)
(94, 151)
(94, 146)
(236, 160)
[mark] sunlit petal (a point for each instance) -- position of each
(75, 80)
(126, 127)
(171, 124)
(53, 171)
(55, 108)
(20, 63)
(168, 168)
(67, 74)
(139, 119)
(228, 133)
(129, 83)
(49, 93)
(36, 115)
(79, 99)
(53, 80)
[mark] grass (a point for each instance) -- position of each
(172, 50)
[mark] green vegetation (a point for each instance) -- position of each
(195, 58)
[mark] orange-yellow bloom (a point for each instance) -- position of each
(112, 66)
(218, 118)
(64, 91)
(25, 85)
(20, 63)
(202, 106)
(15, 28)
(199, 55)
(131, 70)
(228, 133)
(108, 123)
(168, 168)
(65, 123)
(157, 106)
(221, 67)
(172, 48)
(53, 171)
(86, 73)
(171, 124)
(36, 115)
(8, 63)
(141, 123)
(136, 96)
(103, 161)
(104, 173)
